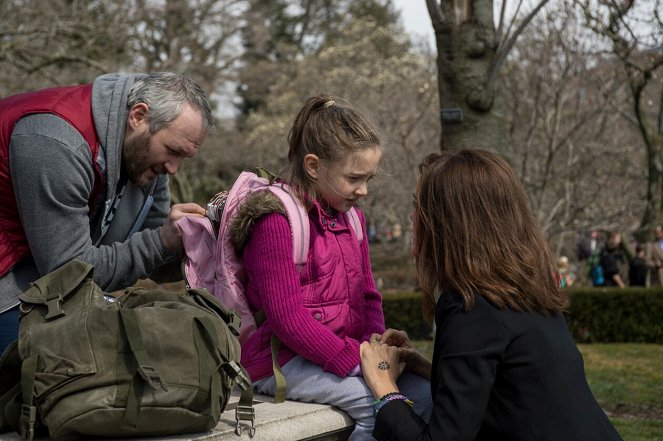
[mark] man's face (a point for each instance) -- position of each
(146, 155)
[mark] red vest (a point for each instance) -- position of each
(71, 103)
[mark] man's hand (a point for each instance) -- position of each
(170, 233)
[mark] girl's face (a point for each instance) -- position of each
(341, 185)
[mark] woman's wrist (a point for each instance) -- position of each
(382, 390)
(391, 396)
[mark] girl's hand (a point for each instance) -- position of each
(381, 367)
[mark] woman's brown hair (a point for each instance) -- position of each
(475, 233)
(330, 128)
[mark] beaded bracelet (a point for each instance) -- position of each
(392, 396)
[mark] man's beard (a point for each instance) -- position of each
(135, 158)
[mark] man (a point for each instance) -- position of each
(612, 258)
(84, 174)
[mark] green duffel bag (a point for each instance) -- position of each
(147, 363)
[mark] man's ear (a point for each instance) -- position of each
(138, 115)
(312, 165)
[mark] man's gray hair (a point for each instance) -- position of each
(165, 93)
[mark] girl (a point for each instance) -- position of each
(504, 364)
(322, 312)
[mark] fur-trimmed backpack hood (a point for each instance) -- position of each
(256, 205)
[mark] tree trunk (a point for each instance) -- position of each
(470, 55)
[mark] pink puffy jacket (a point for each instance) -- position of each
(321, 312)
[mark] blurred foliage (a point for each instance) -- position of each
(616, 315)
(597, 315)
(402, 310)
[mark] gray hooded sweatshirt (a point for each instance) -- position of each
(53, 174)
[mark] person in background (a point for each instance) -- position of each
(505, 366)
(564, 273)
(637, 271)
(322, 312)
(654, 257)
(611, 259)
(84, 175)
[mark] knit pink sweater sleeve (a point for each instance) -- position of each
(269, 263)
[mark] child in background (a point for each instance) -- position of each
(320, 313)
(564, 273)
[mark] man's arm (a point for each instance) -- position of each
(52, 173)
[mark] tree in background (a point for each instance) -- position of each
(276, 33)
(58, 42)
(471, 51)
(579, 162)
(566, 114)
(633, 32)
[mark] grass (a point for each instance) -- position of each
(627, 381)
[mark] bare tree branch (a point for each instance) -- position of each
(504, 49)
(440, 21)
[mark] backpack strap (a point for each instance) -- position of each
(353, 219)
(298, 219)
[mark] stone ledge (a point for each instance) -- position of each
(288, 421)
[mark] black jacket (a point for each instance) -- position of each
(501, 375)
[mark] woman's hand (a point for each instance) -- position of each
(381, 367)
(394, 337)
(416, 362)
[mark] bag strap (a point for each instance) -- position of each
(145, 372)
(28, 417)
(236, 372)
(279, 378)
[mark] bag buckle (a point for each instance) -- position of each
(245, 413)
(152, 377)
(234, 322)
(27, 421)
(54, 309)
(235, 373)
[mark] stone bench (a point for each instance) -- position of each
(288, 421)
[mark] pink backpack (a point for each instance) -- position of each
(210, 260)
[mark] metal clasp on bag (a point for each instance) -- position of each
(235, 373)
(245, 413)
(28, 418)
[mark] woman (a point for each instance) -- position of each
(505, 366)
